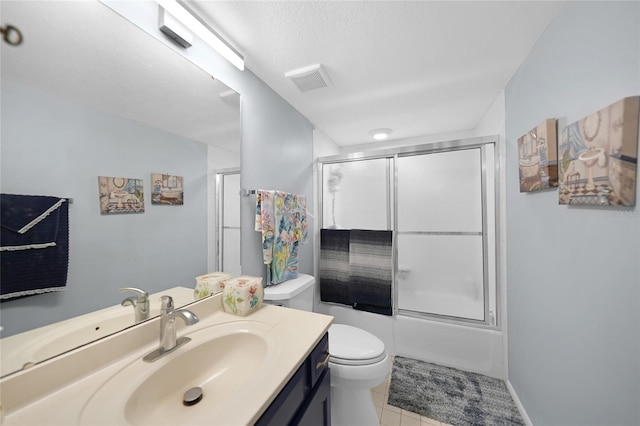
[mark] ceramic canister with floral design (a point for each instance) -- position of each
(242, 295)
(212, 283)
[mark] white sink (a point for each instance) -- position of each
(28, 348)
(590, 157)
(19, 352)
(67, 338)
(224, 360)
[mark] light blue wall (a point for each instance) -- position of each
(573, 275)
(276, 144)
(276, 152)
(54, 147)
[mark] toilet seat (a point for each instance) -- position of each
(353, 346)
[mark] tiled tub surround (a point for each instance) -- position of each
(55, 392)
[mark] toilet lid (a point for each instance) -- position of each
(353, 346)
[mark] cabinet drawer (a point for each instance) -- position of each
(319, 360)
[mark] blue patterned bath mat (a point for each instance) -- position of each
(452, 396)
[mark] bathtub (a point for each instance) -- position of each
(468, 348)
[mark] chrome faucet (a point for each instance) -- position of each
(168, 336)
(140, 303)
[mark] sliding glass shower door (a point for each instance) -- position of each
(439, 234)
(440, 202)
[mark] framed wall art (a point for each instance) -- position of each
(598, 157)
(538, 157)
(120, 195)
(166, 189)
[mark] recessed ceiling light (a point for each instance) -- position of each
(380, 134)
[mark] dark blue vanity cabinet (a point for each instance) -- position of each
(306, 399)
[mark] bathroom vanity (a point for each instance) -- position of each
(305, 400)
(267, 368)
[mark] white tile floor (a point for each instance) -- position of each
(394, 416)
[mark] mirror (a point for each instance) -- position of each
(89, 94)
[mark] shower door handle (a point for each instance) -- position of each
(403, 272)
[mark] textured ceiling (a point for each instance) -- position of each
(418, 67)
(83, 51)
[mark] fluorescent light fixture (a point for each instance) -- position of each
(194, 24)
(380, 134)
(174, 29)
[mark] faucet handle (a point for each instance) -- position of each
(142, 295)
(166, 304)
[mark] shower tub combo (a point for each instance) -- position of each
(440, 202)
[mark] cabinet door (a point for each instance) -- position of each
(305, 399)
(283, 409)
(317, 408)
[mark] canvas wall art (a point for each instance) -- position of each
(166, 189)
(120, 195)
(598, 157)
(538, 157)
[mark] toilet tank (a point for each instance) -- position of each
(296, 293)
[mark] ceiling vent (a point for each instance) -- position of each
(309, 78)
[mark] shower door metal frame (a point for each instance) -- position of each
(219, 217)
(392, 155)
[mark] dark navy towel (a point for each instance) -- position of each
(34, 244)
(334, 265)
(356, 268)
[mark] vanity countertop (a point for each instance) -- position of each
(58, 391)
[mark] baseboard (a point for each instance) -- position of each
(516, 400)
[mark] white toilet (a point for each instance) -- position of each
(358, 359)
